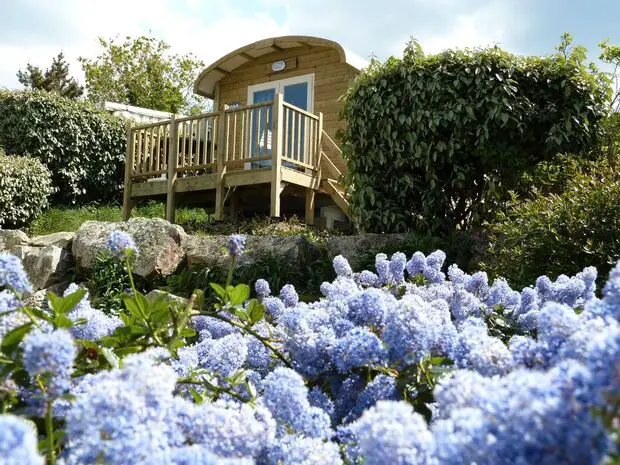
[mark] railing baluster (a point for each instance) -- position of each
(242, 147)
(214, 132)
(139, 152)
(299, 120)
(285, 115)
(250, 136)
(165, 146)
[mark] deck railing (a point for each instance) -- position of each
(270, 134)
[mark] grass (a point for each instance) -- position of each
(193, 220)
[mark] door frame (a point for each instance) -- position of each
(278, 84)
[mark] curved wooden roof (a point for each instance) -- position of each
(205, 84)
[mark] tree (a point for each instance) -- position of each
(55, 79)
(142, 72)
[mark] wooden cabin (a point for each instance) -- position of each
(267, 146)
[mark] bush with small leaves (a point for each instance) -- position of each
(25, 188)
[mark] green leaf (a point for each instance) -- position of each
(62, 321)
(132, 306)
(15, 337)
(188, 332)
(255, 311)
(197, 397)
(219, 290)
(61, 305)
(239, 294)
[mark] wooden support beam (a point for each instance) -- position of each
(173, 155)
(223, 71)
(310, 206)
(277, 47)
(276, 153)
(221, 164)
(127, 203)
(247, 56)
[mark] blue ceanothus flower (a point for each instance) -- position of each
(236, 245)
(288, 295)
(358, 348)
(119, 244)
(262, 288)
(18, 442)
(342, 267)
(300, 450)
(286, 396)
(12, 275)
(50, 356)
(89, 323)
(391, 432)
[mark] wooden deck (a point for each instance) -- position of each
(274, 144)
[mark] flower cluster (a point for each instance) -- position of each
(119, 244)
(407, 364)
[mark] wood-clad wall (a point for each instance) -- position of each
(331, 80)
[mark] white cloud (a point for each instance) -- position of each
(191, 29)
(211, 29)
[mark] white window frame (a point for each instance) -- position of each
(279, 88)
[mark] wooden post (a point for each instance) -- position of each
(319, 148)
(276, 154)
(310, 192)
(173, 154)
(128, 170)
(220, 163)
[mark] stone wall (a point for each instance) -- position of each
(164, 247)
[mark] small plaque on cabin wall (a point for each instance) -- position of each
(278, 65)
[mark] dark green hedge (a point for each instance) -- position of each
(434, 143)
(83, 147)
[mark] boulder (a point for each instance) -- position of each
(46, 265)
(356, 249)
(10, 238)
(59, 239)
(211, 251)
(158, 241)
(38, 299)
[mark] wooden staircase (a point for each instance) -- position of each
(331, 177)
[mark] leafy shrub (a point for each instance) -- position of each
(358, 376)
(25, 187)
(83, 147)
(555, 233)
(435, 142)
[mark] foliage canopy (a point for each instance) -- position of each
(54, 79)
(436, 142)
(142, 72)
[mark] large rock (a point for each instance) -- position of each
(10, 238)
(59, 239)
(211, 251)
(158, 241)
(45, 266)
(357, 248)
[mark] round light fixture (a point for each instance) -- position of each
(278, 65)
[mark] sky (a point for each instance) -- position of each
(34, 31)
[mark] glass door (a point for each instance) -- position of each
(296, 91)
